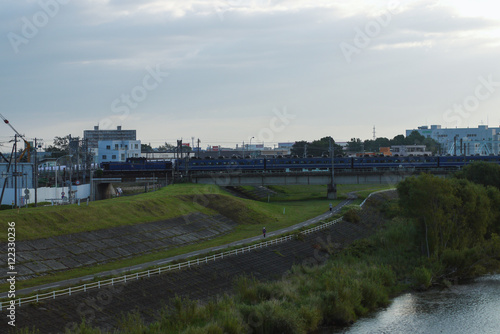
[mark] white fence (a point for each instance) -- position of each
(157, 271)
(44, 194)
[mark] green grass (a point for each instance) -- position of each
(49, 221)
(318, 192)
(350, 285)
(169, 202)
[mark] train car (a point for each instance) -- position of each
(221, 165)
(460, 161)
(137, 164)
(386, 163)
(308, 164)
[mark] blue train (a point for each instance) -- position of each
(291, 164)
(283, 164)
(136, 165)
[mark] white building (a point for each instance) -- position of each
(482, 140)
(407, 150)
(118, 150)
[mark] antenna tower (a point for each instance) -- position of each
(374, 136)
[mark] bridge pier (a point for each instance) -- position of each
(331, 191)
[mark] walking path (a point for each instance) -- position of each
(160, 262)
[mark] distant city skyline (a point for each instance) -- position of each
(229, 70)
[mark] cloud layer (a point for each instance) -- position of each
(226, 67)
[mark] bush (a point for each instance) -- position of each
(373, 295)
(422, 278)
(352, 215)
(391, 209)
(272, 317)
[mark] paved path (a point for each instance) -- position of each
(162, 262)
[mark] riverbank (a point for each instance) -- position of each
(102, 309)
(461, 309)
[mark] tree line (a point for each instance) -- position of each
(458, 219)
(321, 146)
(415, 138)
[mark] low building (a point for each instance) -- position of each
(118, 150)
(407, 150)
(482, 140)
(386, 151)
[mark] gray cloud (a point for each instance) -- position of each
(230, 70)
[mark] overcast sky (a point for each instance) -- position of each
(229, 70)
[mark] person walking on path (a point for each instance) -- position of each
(331, 208)
(264, 232)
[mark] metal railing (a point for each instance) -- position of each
(148, 273)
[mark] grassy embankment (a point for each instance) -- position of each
(351, 284)
(300, 203)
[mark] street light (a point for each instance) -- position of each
(67, 155)
(250, 146)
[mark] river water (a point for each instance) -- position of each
(465, 309)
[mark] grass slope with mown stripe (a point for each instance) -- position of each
(293, 205)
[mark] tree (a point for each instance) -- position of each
(375, 145)
(299, 148)
(452, 214)
(355, 145)
(487, 174)
(316, 148)
(415, 138)
(166, 147)
(146, 148)
(60, 146)
(398, 140)
(427, 198)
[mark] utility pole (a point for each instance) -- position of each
(15, 171)
(7, 173)
(198, 148)
(35, 169)
(332, 188)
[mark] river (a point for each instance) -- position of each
(464, 309)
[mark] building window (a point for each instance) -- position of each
(123, 156)
(126, 147)
(113, 157)
(108, 147)
(136, 146)
(116, 146)
(104, 157)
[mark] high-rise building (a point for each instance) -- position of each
(96, 135)
(93, 137)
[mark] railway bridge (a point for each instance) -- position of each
(227, 179)
(102, 189)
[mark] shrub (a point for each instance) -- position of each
(352, 215)
(422, 277)
(272, 317)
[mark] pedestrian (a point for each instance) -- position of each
(331, 208)
(264, 232)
